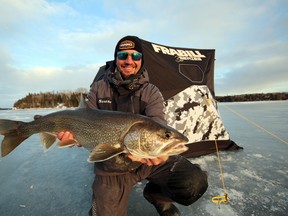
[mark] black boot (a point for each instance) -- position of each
(166, 209)
(163, 205)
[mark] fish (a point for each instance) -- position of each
(105, 134)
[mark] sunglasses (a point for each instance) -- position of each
(136, 56)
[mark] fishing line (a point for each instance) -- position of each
(255, 124)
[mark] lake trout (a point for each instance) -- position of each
(105, 134)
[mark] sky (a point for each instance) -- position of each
(58, 45)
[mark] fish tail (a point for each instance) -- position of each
(12, 138)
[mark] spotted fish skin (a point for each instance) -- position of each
(104, 133)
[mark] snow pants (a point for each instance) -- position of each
(177, 180)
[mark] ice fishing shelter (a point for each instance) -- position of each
(185, 76)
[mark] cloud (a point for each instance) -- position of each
(15, 82)
(16, 14)
(58, 45)
(260, 76)
(252, 69)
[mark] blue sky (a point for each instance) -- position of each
(54, 45)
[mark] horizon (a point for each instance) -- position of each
(3, 108)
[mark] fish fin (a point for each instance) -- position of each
(82, 103)
(12, 138)
(104, 152)
(10, 142)
(47, 140)
(67, 143)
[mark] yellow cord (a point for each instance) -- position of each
(275, 136)
(224, 198)
(220, 198)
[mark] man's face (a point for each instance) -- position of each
(128, 66)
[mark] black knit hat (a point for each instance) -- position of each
(128, 43)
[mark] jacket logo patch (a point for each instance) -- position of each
(104, 101)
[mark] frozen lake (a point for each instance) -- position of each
(58, 182)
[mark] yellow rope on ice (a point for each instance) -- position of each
(220, 198)
(270, 133)
(224, 198)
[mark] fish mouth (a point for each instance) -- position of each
(175, 148)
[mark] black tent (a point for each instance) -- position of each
(185, 76)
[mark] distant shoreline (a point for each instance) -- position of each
(71, 99)
(253, 97)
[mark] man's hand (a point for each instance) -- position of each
(149, 161)
(67, 135)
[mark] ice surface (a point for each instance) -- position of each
(58, 182)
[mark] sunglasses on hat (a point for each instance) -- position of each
(136, 56)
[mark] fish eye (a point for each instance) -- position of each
(167, 134)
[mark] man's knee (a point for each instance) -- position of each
(187, 182)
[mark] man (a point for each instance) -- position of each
(123, 85)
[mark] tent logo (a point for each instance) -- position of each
(179, 54)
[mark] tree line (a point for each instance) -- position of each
(50, 100)
(72, 99)
(253, 97)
